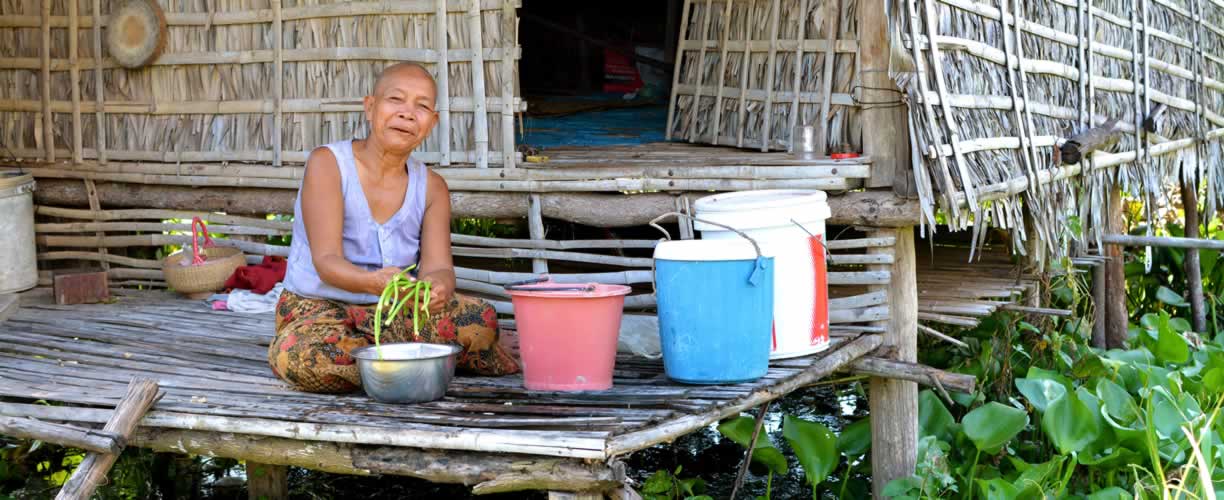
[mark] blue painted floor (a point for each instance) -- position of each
(609, 127)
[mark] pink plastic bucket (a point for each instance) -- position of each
(567, 334)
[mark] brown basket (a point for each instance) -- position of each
(208, 267)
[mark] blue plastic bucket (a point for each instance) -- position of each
(715, 302)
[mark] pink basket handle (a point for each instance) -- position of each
(196, 257)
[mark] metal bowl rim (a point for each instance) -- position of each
(360, 352)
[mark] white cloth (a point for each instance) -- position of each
(246, 301)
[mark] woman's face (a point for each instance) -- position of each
(401, 110)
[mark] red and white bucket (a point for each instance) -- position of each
(789, 225)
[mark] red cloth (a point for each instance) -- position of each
(260, 278)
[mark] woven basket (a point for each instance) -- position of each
(207, 268)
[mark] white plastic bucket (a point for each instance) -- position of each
(18, 270)
(789, 225)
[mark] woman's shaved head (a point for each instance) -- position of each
(407, 69)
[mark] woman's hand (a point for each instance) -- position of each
(440, 293)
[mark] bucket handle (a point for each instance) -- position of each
(523, 285)
(654, 224)
(757, 266)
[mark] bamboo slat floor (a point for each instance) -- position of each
(212, 367)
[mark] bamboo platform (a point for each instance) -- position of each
(212, 367)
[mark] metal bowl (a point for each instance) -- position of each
(409, 372)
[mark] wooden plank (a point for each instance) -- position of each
(535, 226)
(822, 129)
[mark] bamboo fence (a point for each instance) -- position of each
(105, 236)
(996, 87)
(749, 71)
(261, 80)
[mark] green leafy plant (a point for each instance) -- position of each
(667, 485)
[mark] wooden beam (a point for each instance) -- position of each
(492, 472)
(63, 435)
(266, 481)
(1194, 271)
(913, 372)
(141, 395)
(894, 403)
(1161, 241)
(870, 208)
(885, 127)
(1115, 276)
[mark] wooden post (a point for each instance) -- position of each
(278, 82)
(1098, 306)
(894, 403)
(535, 227)
(267, 482)
(99, 113)
(141, 395)
(885, 141)
(1115, 277)
(509, 44)
(1194, 271)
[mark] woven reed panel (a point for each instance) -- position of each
(212, 95)
(739, 63)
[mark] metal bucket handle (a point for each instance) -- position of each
(522, 285)
(757, 267)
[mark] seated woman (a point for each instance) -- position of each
(364, 212)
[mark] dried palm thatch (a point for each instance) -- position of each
(1006, 81)
(253, 80)
(741, 61)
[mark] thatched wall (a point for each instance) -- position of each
(1006, 82)
(739, 64)
(259, 80)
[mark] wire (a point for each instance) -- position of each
(877, 104)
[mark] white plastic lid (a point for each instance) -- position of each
(705, 250)
(759, 209)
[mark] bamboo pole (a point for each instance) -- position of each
(1010, 46)
(481, 119)
(48, 122)
(63, 435)
(819, 369)
(535, 225)
(671, 107)
(741, 116)
(716, 132)
(75, 76)
(774, 23)
(278, 83)
(967, 186)
(798, 79)
(99, 98)
(920, 72)
(1162, 241)
(141, 395)
(707, 14)
(95, 205)
(822, 130)
(509, 41)
(441, 29)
